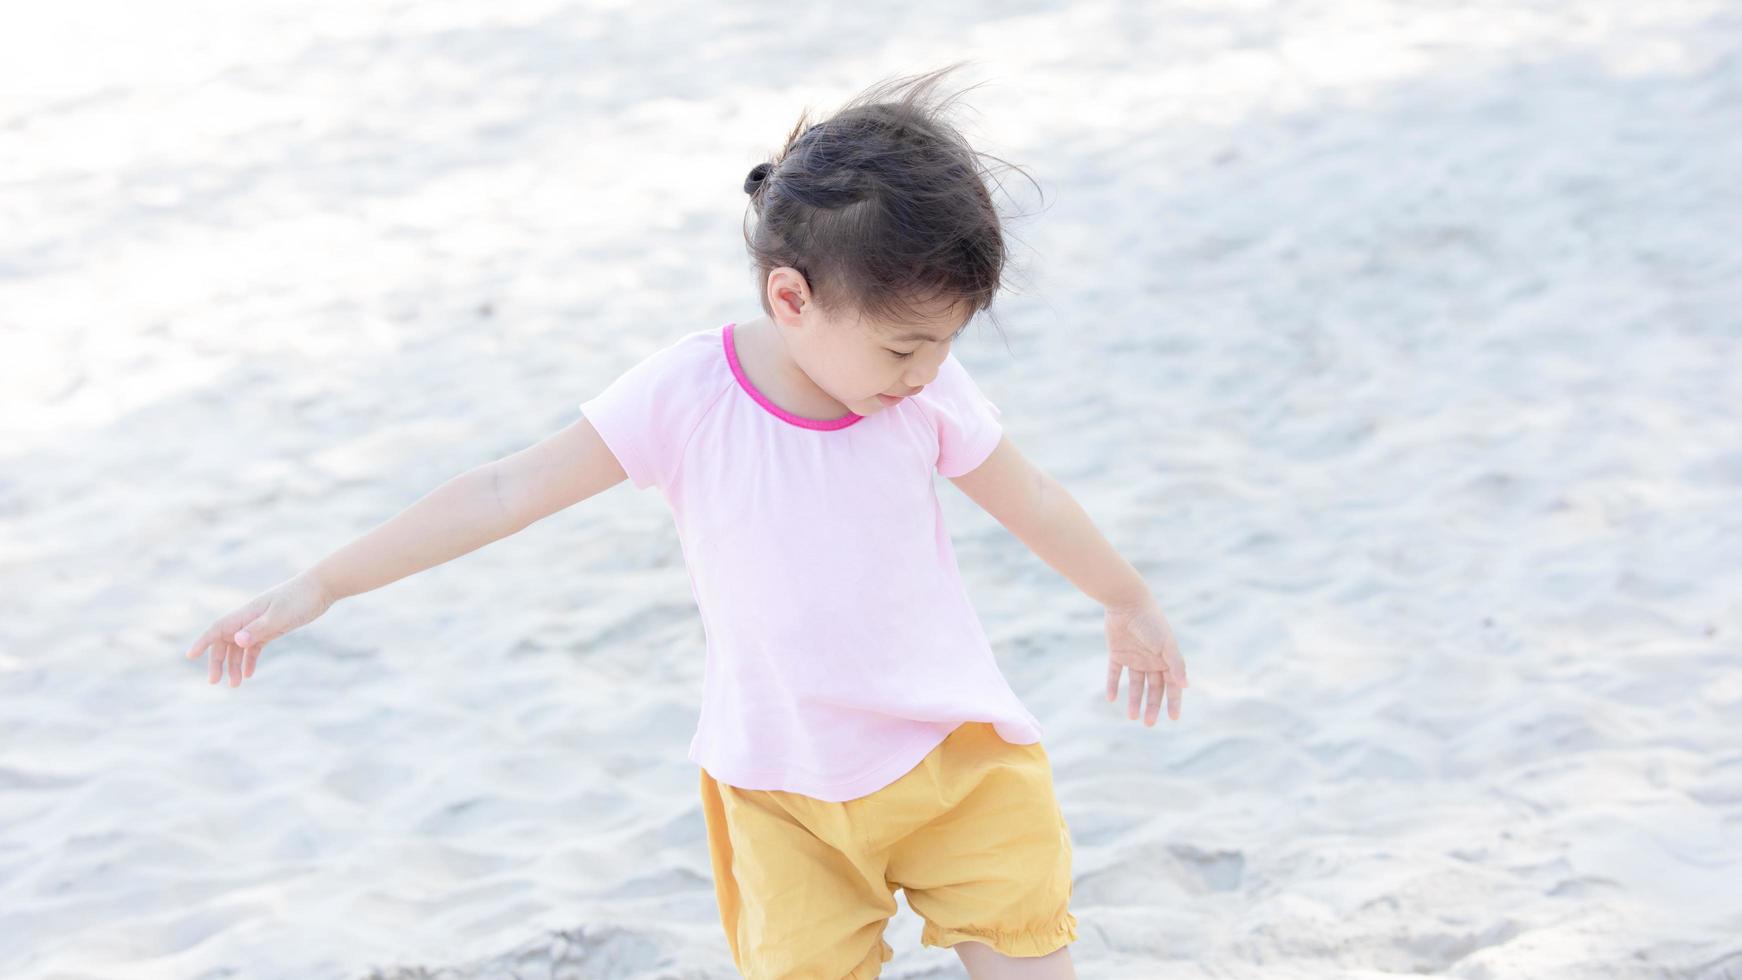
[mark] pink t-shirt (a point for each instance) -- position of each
(841, 644)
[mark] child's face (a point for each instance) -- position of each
(869, 365)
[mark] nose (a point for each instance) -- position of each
(918, 379)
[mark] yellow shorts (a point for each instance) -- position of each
(973, 834)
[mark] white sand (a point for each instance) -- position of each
(1398, 345)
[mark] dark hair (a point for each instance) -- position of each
(882, 207)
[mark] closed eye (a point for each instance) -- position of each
(900, 353)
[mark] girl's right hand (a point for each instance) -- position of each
(238, 637)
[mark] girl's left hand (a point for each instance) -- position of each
(1140, 640)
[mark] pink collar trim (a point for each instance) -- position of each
(773, 409)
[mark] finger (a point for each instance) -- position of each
(220, 650)
(1134, 686)
(200, 644)
(1113, 669)
(248, 661)
(254, 632)
(235, 665)
(1152, 703)
(1173, 701)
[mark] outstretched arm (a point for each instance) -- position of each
(1043, 515)
(479, 506)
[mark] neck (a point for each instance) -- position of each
(763, 353)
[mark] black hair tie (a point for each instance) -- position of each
(758, 174)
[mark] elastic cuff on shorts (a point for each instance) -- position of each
(1034, 942)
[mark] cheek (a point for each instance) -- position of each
(876, 366)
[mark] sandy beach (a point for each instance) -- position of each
(1398, 345)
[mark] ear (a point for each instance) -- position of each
(788, 294)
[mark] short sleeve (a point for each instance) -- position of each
(967, 421)
(641, 417)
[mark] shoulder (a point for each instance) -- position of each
(965, 421)
(952, 371)
(684, 363)
(698, 350)
(953, 390)
(679, 372)
(646, 414)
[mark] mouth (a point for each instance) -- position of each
(887, 399)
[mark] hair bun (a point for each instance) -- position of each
(758, 174)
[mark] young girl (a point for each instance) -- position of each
(855, 734)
